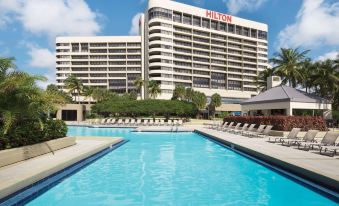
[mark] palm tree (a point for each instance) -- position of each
(215, 102)
(74, 86)
(261, 79)
(139, 83)
(199, 100)
(288, 65)
(189, 92)
(154, 89)
(308, 69)
(179, 92)
(6, 63)
(88, 92)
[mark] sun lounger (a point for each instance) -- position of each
(162, 122)
(156, 122)
(180, 123)
(222, 126)
(113, 121)
(332, 150)
(255, 132)
(249, 129)
(265, 133)
(126, 122)
(151, 123)
(138, 122)
(169, 122)
(132, 122)
(108, 121)
(119, 122)
(103, 121)
(229, 129)
(292, 135)
(175, 122)
(308, 137)
(329, 140)
(217, 125)
(145, 122)
(239, 130)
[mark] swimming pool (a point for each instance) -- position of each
(174, 169)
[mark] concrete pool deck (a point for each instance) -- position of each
(323, 170)
(25, 173)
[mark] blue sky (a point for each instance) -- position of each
(28, 27)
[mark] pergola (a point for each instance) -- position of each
(284, 100)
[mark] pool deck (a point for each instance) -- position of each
(22, 174)
(310, 165)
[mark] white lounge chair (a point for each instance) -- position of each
(235, 127)
(239, 130)
(156, 122)
(113, 121)
(126, 123)
(169, 122)
(290, 137)
(332, 150)
(103, 121)
(138, 122)
(264, 133)
(328, 140)
(222, 126)
(119, 122)
(132, 122)
(255, 132)
(162, 122)
(228, 126)
(151, 123)
(249, 129)
(175, 122)
(180, 122)
(145, 122)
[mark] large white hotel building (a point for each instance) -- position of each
(178, 45)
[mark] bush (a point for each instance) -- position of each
(282, 123)
(149, 107)
(29, 132)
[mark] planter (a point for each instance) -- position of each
(14, 155)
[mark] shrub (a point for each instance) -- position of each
(282, 123)
(30, 132)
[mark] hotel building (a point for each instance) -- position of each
(180, 45)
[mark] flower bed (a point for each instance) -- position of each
(282, 123)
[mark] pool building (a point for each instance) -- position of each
(178, 44)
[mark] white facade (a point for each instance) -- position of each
(181, 44)
(112, 62)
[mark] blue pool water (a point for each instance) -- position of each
(174, 169)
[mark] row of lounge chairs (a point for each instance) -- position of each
(326, 146)
(138, 122)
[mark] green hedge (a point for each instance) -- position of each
(149, 107)
(282, 123)
(29, 132)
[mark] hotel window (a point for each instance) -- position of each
(234, 85)
(231, 28)
(253, 33)
(246, 31)
(159, 13)
(187, 19)
(214, 25)
(201, 72)
(206, 23)
(262, 35)
(238, 30)
(201, 82)
(177, 17)
(218, 80)
(197, 21)
(223, 26)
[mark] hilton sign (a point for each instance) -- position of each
(218, 16)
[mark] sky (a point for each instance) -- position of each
(28, 28)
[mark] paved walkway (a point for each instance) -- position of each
(22, 174)
(313, 166)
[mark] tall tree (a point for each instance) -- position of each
(287, 64)
(139, 83)
(215, 102)
(6, 63)
(179, 92)
(52, 88)
(199, 99)
(261, 79)
(154, 89)
(189, 92)
(88, 93)
(74, 86)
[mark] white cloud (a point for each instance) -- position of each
(316, 24)
(235, 6)
(51, 17)
(41, 57)
(44, 59)
(329, 55)
(134, 30)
